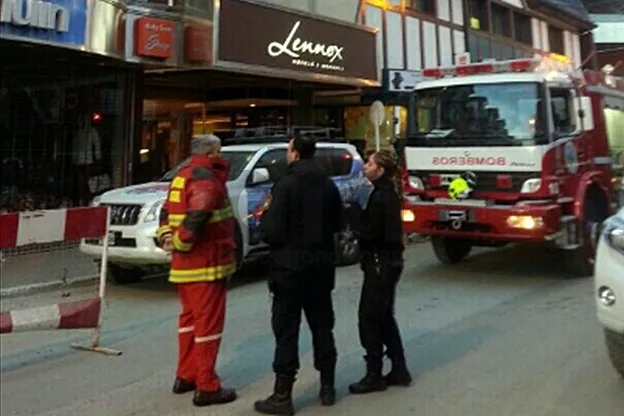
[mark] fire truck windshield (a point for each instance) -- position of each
(501, 114)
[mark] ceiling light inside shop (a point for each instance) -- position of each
(144, 151)
(252, 105)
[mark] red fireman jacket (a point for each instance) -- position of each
(199, 217)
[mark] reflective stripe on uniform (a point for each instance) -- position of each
(178, 182)
(217, 215)
(205, 274)
(179, 244)
(199, 340)
(162, 230)
(186, 329)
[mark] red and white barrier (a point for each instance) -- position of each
(49, 226)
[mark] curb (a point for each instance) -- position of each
(11, 292)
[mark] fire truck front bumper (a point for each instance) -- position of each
(471, 220)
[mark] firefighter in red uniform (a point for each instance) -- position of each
(197, 226)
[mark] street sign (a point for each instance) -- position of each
(401, 80)
(378, 116)
(462, 58)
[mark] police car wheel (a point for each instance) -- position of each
(615, 347)
(124, 276)
(450, 250)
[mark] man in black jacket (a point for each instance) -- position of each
(300, 225)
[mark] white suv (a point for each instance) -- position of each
(609, 284)
(133, 251)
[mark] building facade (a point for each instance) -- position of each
(66, 94)
(264, 65)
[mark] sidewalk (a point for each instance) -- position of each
(44, 268)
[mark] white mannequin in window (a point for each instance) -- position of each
(86, 155)
(86, 145)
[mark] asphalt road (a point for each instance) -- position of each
(503, 334)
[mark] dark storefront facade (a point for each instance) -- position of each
(66, 98)
(251, 65)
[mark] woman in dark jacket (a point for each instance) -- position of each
(382, 243)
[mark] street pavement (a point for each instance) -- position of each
(502, 334)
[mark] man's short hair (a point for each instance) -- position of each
(204, 144)
(305, 146)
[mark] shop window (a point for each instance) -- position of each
(473, 46)
(275, 162)
(523, 29)
(562, 111)
(501, 21)
(477, 15)
(555, 40)
(425, 6)
(360, 131)
(204, 6)
(497, 51)
(63, 133)
(484, 49)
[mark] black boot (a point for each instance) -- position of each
(207, 398)
(373, 381)
(182, 386)
(328, 390)
(280, 402)
(399, 375)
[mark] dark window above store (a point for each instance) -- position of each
(425, 6)
(202, 6)
(477, 16)
(501, 20)
(523, 29)
(555, 40)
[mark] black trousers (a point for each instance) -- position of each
(376, 321)
(317, 305)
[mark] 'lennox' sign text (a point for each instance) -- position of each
(35, 13)
(295, 47)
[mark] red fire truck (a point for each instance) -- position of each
(514, 151)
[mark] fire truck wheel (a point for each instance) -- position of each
(615, 347)
(580, 262)
(450, 250)
(123, 276)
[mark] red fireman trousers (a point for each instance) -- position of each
(199, 332)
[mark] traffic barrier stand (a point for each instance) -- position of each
(34, 241)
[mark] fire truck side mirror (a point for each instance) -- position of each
(585, 114)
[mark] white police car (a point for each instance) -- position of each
(133, 251)
(609, 284)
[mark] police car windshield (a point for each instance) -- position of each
(477, 114)
(238, 160)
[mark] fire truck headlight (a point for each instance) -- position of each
(408, 215)
(531, 185)
(525, 222)
(415, 182)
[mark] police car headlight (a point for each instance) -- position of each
(415, 182)
(531, 185)
(154, 211)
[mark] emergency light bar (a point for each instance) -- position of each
(497, 67)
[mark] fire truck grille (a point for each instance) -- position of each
(124, 214)
(486, 181)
